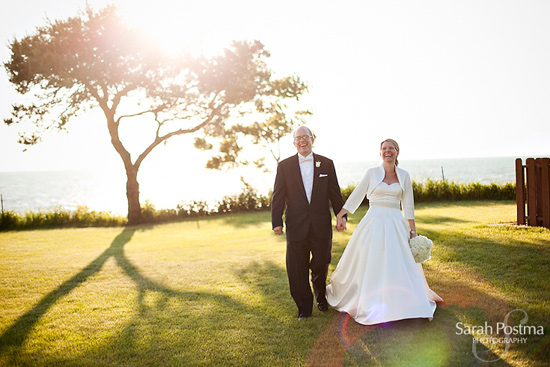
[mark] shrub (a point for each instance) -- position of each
(9, 220)
(246, 200)
(193, 209)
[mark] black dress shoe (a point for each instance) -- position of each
(323, 307)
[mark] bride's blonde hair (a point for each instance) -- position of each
(395, 145)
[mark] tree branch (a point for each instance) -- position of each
(160, 139)
(112, 126)
(118, 97)
(134, 115)
(102, 101)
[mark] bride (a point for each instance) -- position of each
(377, 279)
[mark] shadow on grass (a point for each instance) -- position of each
(16, 334)
(508, 267)
(131, 348)
(172, 327)
(513, 264)
(211, 328)
(438, 219)
(497, 275)
(412, 342)
(483, 276)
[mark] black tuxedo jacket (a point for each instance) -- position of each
(289, 194)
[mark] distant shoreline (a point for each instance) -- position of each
(166, 186)
(337, 161)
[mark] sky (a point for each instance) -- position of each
(446, 79)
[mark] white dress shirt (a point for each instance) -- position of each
(306, 169)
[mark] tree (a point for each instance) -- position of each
(95, 60)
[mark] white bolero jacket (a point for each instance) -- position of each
(373, 178)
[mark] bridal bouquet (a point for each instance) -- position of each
(421, 247)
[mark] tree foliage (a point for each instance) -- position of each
(95, 60)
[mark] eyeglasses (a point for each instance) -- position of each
(302, 137)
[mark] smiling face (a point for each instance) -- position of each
(303, 141)
(389, 152)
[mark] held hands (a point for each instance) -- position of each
(341, 220)
(341, 224)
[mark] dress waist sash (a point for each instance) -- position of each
(385, 204)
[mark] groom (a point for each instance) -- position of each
(305, 186)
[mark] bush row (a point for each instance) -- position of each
(433, 190)
(247, 200)
(82, 217)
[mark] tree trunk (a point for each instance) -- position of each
(132, 185)
(132, 193)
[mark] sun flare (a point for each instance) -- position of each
(184, 26)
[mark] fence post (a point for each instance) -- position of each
(545, 192)
(520, 192)
(538, 175)
(531, 192)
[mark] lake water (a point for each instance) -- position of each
(106, 191)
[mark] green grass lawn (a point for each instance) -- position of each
(214, 292)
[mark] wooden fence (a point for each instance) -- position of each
(533, 191)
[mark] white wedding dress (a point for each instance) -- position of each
(377, 279)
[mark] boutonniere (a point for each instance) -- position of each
(317, 164)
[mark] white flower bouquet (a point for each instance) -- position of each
(421, 247)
